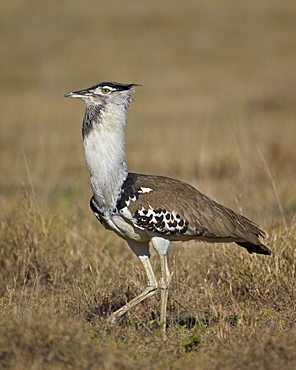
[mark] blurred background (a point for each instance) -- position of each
(216, 107)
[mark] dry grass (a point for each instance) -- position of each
(218, 110)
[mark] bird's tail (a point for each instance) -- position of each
(255, 248)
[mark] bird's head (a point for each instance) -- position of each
(104, 93)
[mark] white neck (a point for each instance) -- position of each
(104, 154)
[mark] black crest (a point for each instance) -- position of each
(115, 85)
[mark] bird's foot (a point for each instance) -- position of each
(111, 319)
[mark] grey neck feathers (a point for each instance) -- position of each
(91, 116)
(103, 140)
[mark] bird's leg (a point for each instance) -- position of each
(150, 290)
(164, 289)
(161, 245)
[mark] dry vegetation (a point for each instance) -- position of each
(217, 109)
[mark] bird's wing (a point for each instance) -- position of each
(172, 207)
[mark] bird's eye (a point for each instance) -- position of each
(105, 90)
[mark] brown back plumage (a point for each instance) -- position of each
(196, 216)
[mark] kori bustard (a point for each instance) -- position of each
(144, 209)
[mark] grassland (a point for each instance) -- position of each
(217, 109)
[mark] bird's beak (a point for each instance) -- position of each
(77, 94)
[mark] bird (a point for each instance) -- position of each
(145, 209)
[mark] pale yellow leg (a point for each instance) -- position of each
(165, 280)
(150, 290)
